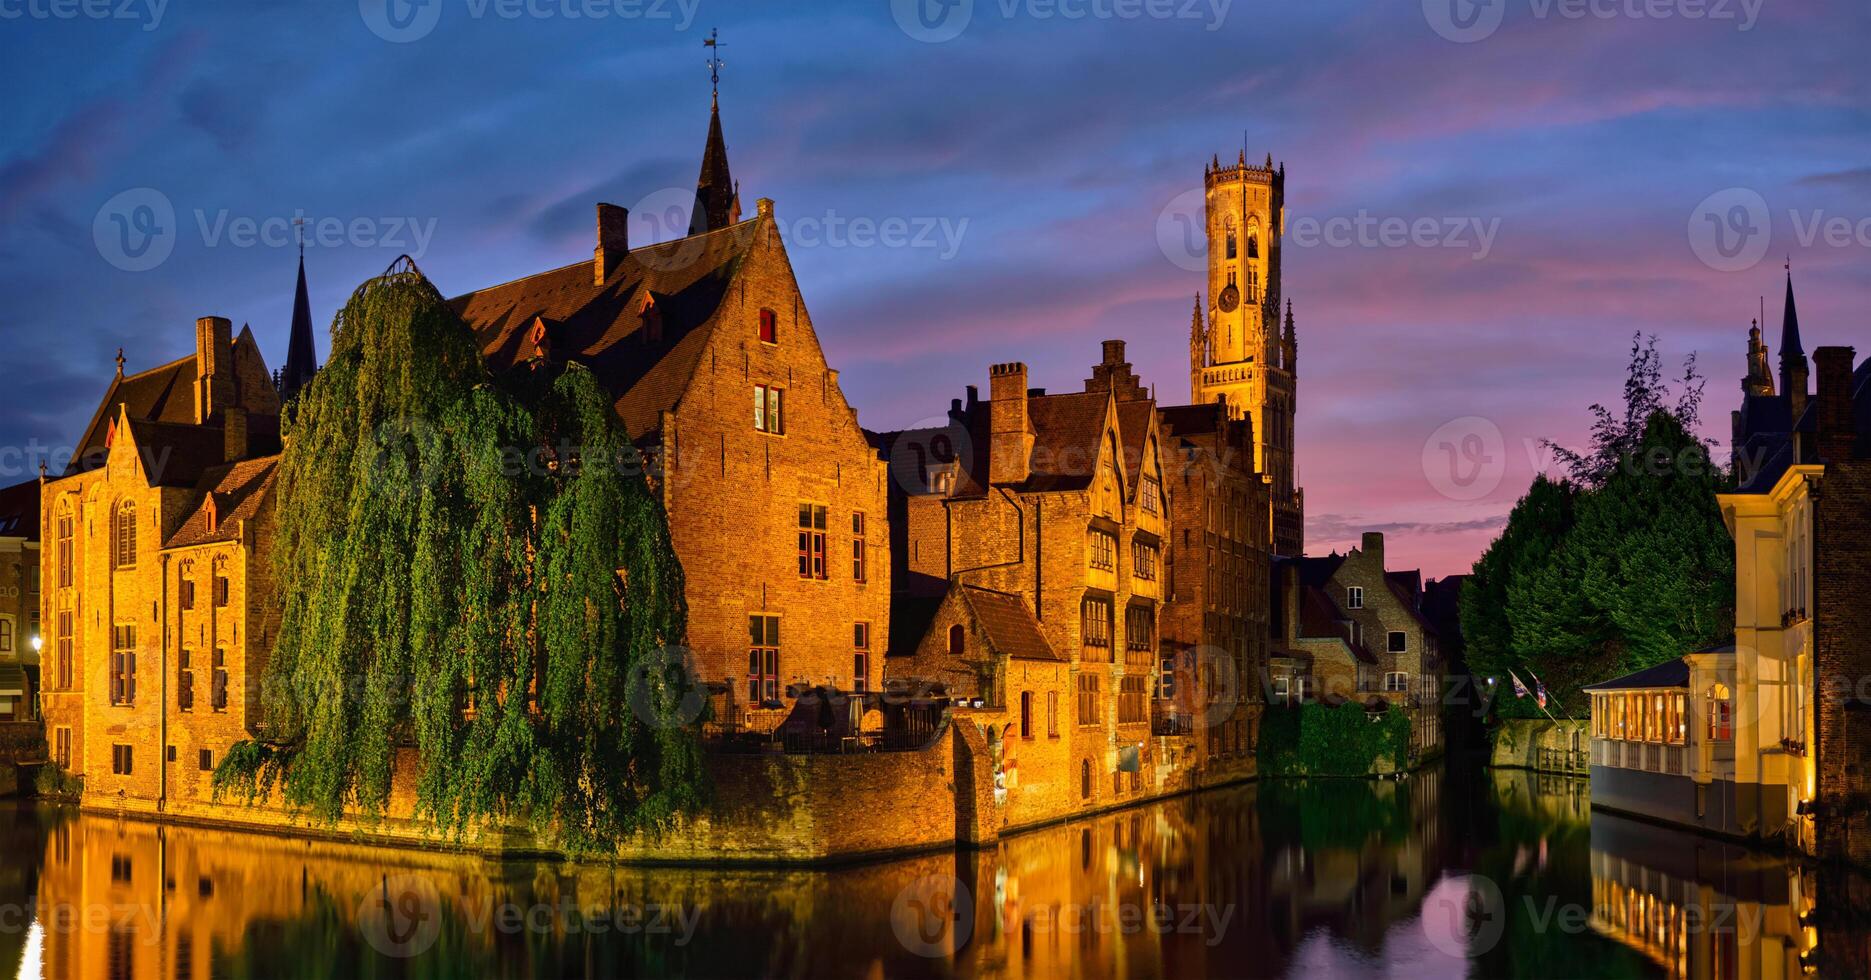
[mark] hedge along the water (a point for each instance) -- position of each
(1318, 740)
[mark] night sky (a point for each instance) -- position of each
(1560, 178)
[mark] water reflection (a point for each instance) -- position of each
(1491, 874)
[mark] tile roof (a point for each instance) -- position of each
(1135, 419)
(601, 326)
(19, 510)
(166, 393)
(1067, 430)
(1009, 624)
(175, 454)
(235, 492)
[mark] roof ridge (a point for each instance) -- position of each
(587, 262)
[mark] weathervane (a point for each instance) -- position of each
(713, 42)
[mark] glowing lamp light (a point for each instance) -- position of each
(37, 643)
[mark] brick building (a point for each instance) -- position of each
(19, 602)
(777, 510)
(1030, 562)
(158, 533)
(1350, 629)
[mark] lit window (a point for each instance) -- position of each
(767, 409)
(1721, 719)
(123, 664)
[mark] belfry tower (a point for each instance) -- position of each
(1238, 352)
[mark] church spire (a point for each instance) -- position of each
(301, 351)
(1792, 355)
(716, 200)
(1759, 381)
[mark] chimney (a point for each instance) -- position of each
(1374, 546)
(1837, 433)
(214, 367)
(1113, 353)
(1010, 443)
(234, 434)
(613, 241)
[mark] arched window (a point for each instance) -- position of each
(955, 634)
(124, 531)
(1721, 714)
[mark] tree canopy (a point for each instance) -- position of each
(1623, 565)
(473, 568)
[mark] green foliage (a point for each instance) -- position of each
(55, 782)
(481, 573)
(1318, 740)
(1623, 567)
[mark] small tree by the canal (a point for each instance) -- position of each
(1622, 565)
(1322, 740)
(474, 568)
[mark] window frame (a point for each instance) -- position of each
(770, 409)
(1397, 641)
(763, 659)
(1354, 597)
(860, 657)
(123, 536)
(767, 327)
(814, 550)
(860, 572)
(123, 665)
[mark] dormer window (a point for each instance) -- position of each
(769, 327)
(652, 317)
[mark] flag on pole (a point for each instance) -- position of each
(1520, 690)
(1539, 686)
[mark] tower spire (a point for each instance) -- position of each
(715, 192)
(301, 351)
(1792, 354)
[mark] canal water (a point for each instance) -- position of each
(1446, 873)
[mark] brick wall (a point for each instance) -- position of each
(1842, 649)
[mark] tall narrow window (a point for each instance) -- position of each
(220, 591)
(1052, 714)
(769, 327)
(185, 680)
(811, 541)
(123, 664)
(957, 640)
(124, 525)
(6, 636)
(767, 409)
(61, 747)
(218, 695)
(763, 659)
(62, 649)
(64, 550)
(1095, 625)
(857, 547)
(1026, 714)
(1721, 721)
(1140, 629)
(860, 657)
(187, 593)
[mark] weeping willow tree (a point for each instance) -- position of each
(473, 568)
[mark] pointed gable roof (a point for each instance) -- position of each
(1008, 624)
(1790, 328)
(601, 326)
(226, 495)
(714, 188)
(301, 350)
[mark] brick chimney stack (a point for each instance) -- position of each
(613, 241)
(1374, 546)
(214, 367)
(1837, 433)
(1010, 442)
